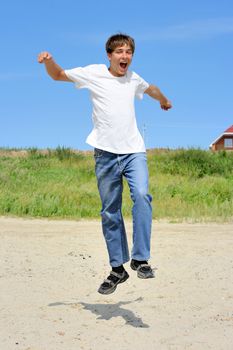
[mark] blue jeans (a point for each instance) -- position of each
(110, 169)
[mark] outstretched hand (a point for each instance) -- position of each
(44, 56)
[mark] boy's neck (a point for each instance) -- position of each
(115, 74)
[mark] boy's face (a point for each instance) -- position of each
(120, 60)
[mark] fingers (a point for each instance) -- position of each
(43, 56)
(166, 106)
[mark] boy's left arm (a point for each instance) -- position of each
(154, 92)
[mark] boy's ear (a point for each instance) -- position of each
(109, 56)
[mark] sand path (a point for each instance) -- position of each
(50, 271)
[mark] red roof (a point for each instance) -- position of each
(226, 132)
(230, 129)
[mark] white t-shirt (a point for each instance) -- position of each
(115, 128)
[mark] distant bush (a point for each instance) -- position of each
(196, 163)
(61, 153)
(64, 153)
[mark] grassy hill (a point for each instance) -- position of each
(188, 184)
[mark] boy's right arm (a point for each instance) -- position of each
(53, 69)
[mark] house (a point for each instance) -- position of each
(224, 141)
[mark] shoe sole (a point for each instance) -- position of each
(141, 274)
(111, 290)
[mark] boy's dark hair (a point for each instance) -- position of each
(119, 40)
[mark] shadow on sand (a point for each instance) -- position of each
(108, 311)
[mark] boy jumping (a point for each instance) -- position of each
(119, 151)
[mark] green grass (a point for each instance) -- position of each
(185, 184)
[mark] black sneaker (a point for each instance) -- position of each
(109, 285)
(143, 269)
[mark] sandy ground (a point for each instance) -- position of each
(50, 272)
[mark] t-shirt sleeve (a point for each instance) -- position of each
(80, 76)
(141, 87)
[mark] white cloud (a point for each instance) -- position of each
(198, 29)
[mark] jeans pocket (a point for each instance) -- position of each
(98, 153)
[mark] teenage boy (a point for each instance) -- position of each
(119, 151)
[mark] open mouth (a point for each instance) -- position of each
(123, 65)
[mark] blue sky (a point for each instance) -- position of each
(184, 47)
